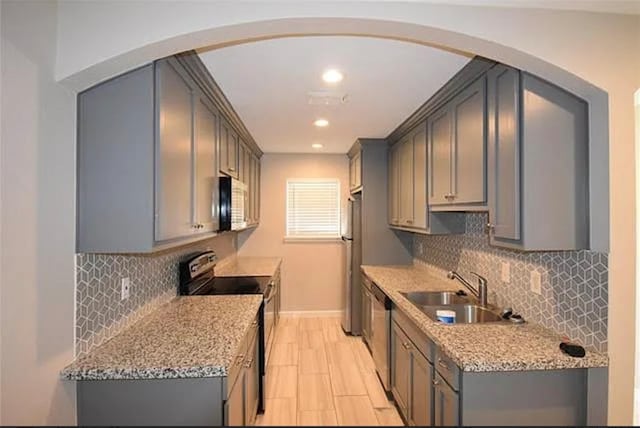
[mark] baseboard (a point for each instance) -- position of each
(310, 314)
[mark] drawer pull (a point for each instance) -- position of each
(436, 382)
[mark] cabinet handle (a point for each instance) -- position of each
(491, 227)
(436, 382)
(409, 221)
(406, 345)
(442, 364)
(255, 323)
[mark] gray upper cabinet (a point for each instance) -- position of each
(457, 146)
(537, 163)
(393, 194)
(149, 149)
(186, 176)
(174, 152)
(355, 171)
(408, 182)
(206, 204)
(228, 149)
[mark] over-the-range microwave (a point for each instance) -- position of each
(233, 204)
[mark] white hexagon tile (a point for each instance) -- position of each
(574, 284)
(100, 312)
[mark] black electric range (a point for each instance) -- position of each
(197, 278)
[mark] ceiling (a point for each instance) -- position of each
(267, 82)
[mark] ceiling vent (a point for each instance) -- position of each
(327, 98)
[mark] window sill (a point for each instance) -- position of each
(311, 240)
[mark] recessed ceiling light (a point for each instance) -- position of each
(332, 76)
(316, 146)
(321, 123)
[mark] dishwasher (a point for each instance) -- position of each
(380, 334)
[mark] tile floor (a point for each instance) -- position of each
(317, 375)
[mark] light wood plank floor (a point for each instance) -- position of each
(317, 375)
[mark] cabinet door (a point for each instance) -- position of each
(419, 138)
(357, 166)
(504, 152)
(440, 157)
(446, 404)
(406, 183)
(468, 186)
(400, 368)
(174, 149)
(234, 407)
(393, 183)
(252, 376)
(228, 149)
(421, 390)
(257, 190)
(205, 166)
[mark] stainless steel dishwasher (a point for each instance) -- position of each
(380, 334)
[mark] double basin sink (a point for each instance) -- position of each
(466, 309)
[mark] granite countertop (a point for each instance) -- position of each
(478, 347)
(188, 337)
(249, 266)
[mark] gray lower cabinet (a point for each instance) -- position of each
(457, 148)
(537, 163)
(209, 401)
(446, 403)
(430, 389)
(400, 369)
(411, 375)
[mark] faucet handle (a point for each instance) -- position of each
(481, 279)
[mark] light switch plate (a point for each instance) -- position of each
(505, 273)
(536, 282)
(125, 287)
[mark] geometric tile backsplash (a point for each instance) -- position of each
(101, 314)
(574, 291)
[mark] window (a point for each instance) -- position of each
(313, 209)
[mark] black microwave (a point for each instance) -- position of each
(233, 204)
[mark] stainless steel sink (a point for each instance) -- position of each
(436, 298)
(465, 314)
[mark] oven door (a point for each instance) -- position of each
(270, 300)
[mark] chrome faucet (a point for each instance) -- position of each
(480, 293)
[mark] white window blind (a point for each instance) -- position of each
(313, 208)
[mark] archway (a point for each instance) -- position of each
(238, 26)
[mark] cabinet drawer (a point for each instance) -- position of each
(447, 369)
(419, 339)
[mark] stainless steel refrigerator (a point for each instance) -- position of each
(352, 240)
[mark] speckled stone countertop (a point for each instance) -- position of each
(478, 347)
(188, 337)
(249, 266)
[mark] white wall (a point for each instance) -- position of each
(37, 220)
(602, 49)
(312, 278)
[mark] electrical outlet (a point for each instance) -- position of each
(505, 274)
(124, 291)
(536, 282)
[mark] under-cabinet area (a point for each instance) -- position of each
(241, 263)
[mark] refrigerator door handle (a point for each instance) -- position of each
(344, 238)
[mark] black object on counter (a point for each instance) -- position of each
(572, 349)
